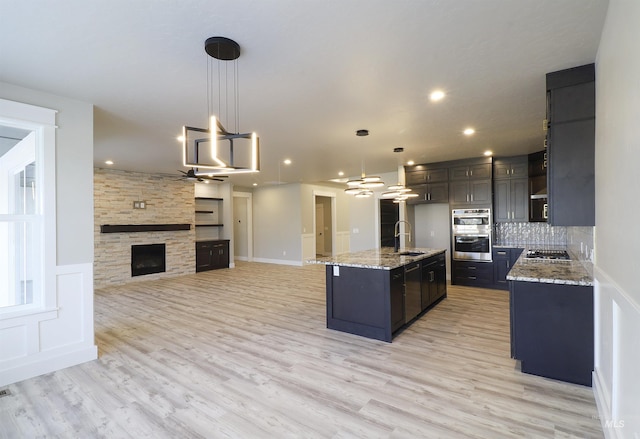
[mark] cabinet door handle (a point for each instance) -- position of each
(508, 264)
(472, 198)
(472, 277)
(471, 268)
(431, 276)
(502, 253)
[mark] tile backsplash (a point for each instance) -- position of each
(579, 240)
(529, 234)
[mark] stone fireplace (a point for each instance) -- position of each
(148, 259)
(168, 201)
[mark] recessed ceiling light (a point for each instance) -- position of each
(436, 95)
(488, 153)
(468, 131)
(411, 163)
(255, 184)
(287, 161)
(340, 173)
(109, 162)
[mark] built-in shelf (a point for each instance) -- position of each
(204, 211)
(129, 228)
(209, 198)
(208, 225)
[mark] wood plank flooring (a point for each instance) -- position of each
(245, 353)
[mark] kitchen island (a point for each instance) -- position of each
(376, 293)
(551, 308)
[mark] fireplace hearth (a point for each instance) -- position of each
(148, 259)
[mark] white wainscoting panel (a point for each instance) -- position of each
(42, 342)
(308, 246)
(616, 385)
(342, 246)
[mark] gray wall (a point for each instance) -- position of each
(277, 223)
(617, 295)
(74, 171)
(432, 229)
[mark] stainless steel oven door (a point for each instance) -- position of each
(472, 247)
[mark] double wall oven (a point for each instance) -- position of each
(471, 234)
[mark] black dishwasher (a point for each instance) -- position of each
(413, 295)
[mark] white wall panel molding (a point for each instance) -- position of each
(617, 325)
(342, 245)
(43, 342)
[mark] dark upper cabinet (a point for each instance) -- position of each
(430, 193)
(571, 146)
(572, 103)
(511, 167)
(571, 179)
(511, 200)
(422, 174)
(470, 192)
(538, 164)
(472, 171)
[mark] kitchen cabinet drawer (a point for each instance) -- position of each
(471, 273)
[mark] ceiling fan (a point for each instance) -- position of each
(190, 175)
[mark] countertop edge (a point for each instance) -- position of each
(376, 254)
(576, 272)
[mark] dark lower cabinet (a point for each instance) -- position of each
(434, 281)
(397, 299)
(552, 330)
(211, 255)
(472, 273)
(503, 260)
(377, 303)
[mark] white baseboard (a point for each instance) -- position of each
(278, 261)
(46, 364)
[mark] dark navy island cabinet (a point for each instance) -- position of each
(552, 330)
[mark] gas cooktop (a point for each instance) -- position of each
(548, 254)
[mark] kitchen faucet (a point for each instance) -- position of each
(396, 234)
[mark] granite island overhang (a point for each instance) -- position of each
(376, 293)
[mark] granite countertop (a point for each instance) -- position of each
(379, 259)
(573, 272)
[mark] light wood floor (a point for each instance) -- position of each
(245, 353)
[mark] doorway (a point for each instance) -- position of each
(323, 225)
(389, 215)
(242, 226)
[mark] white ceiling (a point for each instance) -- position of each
(311, 73)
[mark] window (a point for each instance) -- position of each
(27, 218)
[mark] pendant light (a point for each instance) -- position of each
(361, 187)
(216, 150)
(398, 192)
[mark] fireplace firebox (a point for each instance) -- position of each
(148, 259)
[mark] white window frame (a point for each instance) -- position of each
(42, 122)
